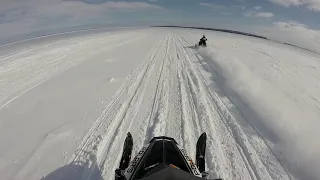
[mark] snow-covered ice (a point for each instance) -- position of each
(66, 104)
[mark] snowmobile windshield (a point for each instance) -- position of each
(161, 155)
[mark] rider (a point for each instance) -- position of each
(203, 41)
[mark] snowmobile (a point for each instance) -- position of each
(202, 42)
(161, 159)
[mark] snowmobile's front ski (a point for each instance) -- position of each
(126, 152)
(200, 152)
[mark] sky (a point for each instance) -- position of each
(292, 21)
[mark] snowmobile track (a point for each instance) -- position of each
(153, 120)
(139, 92)
(208, 103)
(256, 168)
(103, 135)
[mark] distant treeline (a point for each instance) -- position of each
(221, 30)
(300, 47)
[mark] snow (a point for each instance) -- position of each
(66, 104)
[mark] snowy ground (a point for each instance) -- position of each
(67, 104)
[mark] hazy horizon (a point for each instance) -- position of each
(288, 21)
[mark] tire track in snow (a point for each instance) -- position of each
(115, 143)
(122, 122)
(155, 125)
(189, 127)
(102, 136)
(165, 117)
(140, 125)
(174, 107)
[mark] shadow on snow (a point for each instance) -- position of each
(77, 170)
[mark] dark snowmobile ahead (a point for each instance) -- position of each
(162, 159)
(202, 42)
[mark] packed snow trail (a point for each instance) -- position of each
(66, 106)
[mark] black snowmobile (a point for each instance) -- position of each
(202, 42)
(162, 159)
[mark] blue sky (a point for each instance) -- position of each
(260, 16)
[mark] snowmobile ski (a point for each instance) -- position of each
(200, 152)
(126, 152)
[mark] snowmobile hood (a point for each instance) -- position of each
(170, 173)
(161, 159)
